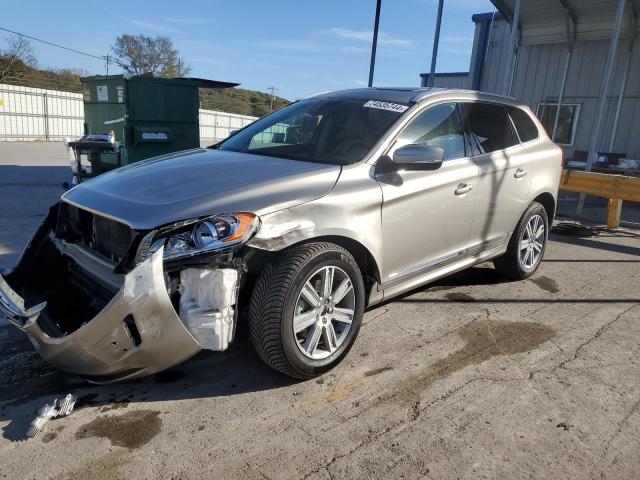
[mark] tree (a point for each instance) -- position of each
(16, 58)
(140, 55)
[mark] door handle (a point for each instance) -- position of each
(463, 188)
(520, 173)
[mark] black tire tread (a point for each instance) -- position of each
(268, 299)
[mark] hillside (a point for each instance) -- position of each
(239, 100)
(232, 100)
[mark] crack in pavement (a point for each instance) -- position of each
(599, 332)
(563, 364)
(618, 431)
(374, 436)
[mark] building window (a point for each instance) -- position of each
(567, 122)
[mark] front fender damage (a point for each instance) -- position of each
(160, 316)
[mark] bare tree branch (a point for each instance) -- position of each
(142, 55)
(16, 57)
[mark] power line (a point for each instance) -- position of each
(52, 44)
(103, 58)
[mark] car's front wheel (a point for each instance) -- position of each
(306, 309)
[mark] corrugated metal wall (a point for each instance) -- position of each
(539, 74)
(452, 81)
(495, 56)
(34, 114)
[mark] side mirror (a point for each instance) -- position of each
(418, 157)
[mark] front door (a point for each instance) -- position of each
(427, 215)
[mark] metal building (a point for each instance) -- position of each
(579, 51)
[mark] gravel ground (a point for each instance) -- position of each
(472, 377)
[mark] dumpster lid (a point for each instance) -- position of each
(206, 83)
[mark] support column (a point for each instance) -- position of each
(625, 76)
(604, 88)
(513, 47)
(436, 42)
(45, 111)
(571, 36)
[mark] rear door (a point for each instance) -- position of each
(504, 172)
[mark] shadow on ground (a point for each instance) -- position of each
(27, 382)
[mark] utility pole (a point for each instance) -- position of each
(374, 44)
(436, 42)
(107, 64)
(272, 90)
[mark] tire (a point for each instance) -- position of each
(511, 263)
(278, 294)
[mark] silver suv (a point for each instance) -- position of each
(294, 225)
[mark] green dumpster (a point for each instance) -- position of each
(148, 116)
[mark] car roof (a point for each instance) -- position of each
(408, 95)
(382, 94)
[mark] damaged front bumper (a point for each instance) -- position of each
(139, 331)
(136, 334)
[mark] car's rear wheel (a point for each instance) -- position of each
(306, 309)
(527, 244)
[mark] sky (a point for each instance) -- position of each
(300, 47)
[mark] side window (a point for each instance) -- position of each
(438, 126)
(527, 130)
(489, 127)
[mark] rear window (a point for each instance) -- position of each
(489, 127)
(527, 130)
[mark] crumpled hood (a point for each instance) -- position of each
(201, 182)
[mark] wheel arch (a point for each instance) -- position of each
(363, 257)
(548, 201)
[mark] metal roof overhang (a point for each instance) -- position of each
(544, 21)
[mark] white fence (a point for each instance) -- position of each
(215, 126)
(35, 114)
(38, 114)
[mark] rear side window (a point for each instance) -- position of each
(489, 127)
(527, 130)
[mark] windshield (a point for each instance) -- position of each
(323, 130)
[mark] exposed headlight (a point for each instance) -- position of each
(191, 237)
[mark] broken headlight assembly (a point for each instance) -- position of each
(199, 235)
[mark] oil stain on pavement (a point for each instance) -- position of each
(130, 430)
(483, 340)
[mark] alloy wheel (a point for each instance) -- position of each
(324, 312)
(532, 242)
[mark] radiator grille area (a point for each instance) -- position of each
(108, 238)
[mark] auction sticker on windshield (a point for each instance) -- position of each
(393, 107)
